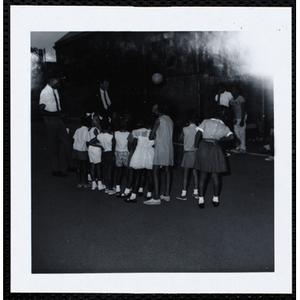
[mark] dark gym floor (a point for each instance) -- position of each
(84, 231)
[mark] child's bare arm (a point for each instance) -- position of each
(198, 139)
(181, 136)
(225, 139)
(154, 129)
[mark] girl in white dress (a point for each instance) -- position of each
(142, 160)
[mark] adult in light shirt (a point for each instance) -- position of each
(60, 144)
(223, 97)
(238, 105)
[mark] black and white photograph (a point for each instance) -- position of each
(151, 150)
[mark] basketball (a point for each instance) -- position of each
(157, 78)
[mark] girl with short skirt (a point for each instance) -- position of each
(209, 156)
(188, 135)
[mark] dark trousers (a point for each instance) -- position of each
(60, 144)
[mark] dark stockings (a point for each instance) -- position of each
(186, 175)
(81, 166)
(203, 183)
(95, 170)
(156, 181)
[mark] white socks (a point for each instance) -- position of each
(133, 196)
(195, 191)
(201, 200)
(215, 199)
(127, 191)
(149, 194)
(118, 188)
(141, 190)
(183, 193)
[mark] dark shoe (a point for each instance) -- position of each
(216, 204)
(123, 195)
(71, 169)
(201, 205)
(130, 200)
(140, 194)
(148, 198)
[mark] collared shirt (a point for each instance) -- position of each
(224, 98)
(237, 106)
(189, 137)
(81, 136)
(213, 129)
(47, 97)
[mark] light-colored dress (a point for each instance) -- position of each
(164, 151)
(143, 155)
(188, 159)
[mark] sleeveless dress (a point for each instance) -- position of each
(163, 151)
(142, 158)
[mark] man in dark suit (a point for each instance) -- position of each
(103, 104)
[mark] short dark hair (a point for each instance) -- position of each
(164, 106)
(222, 112)
(86, 121)
(192, 116)
(102, 79)
(237, 88)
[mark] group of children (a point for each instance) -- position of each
(103, 154)
(100, 153)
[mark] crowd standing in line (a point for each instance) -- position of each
(102, 149)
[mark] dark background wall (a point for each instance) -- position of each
(192, 64)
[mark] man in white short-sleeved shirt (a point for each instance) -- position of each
(223, 97)
(50, 108)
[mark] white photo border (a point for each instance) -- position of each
(274, 21)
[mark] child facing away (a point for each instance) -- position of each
(80, 154)
(209, 156)
(95, 153)
(122, 146)
(162, 134)
(142, 161)
(189, 134)
(106, 140)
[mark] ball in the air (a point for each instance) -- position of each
(157, 78)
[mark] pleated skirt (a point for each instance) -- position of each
(210, 158)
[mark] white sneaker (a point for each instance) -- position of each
(152, 202)
(270, 158)
(111, 192)
(101, 186)
(181, 197)
(166, 198)
(196, 196)
(89, 177)
(94, 185)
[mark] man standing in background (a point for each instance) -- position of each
(238, 105)
(223, 97)
(60, 144)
